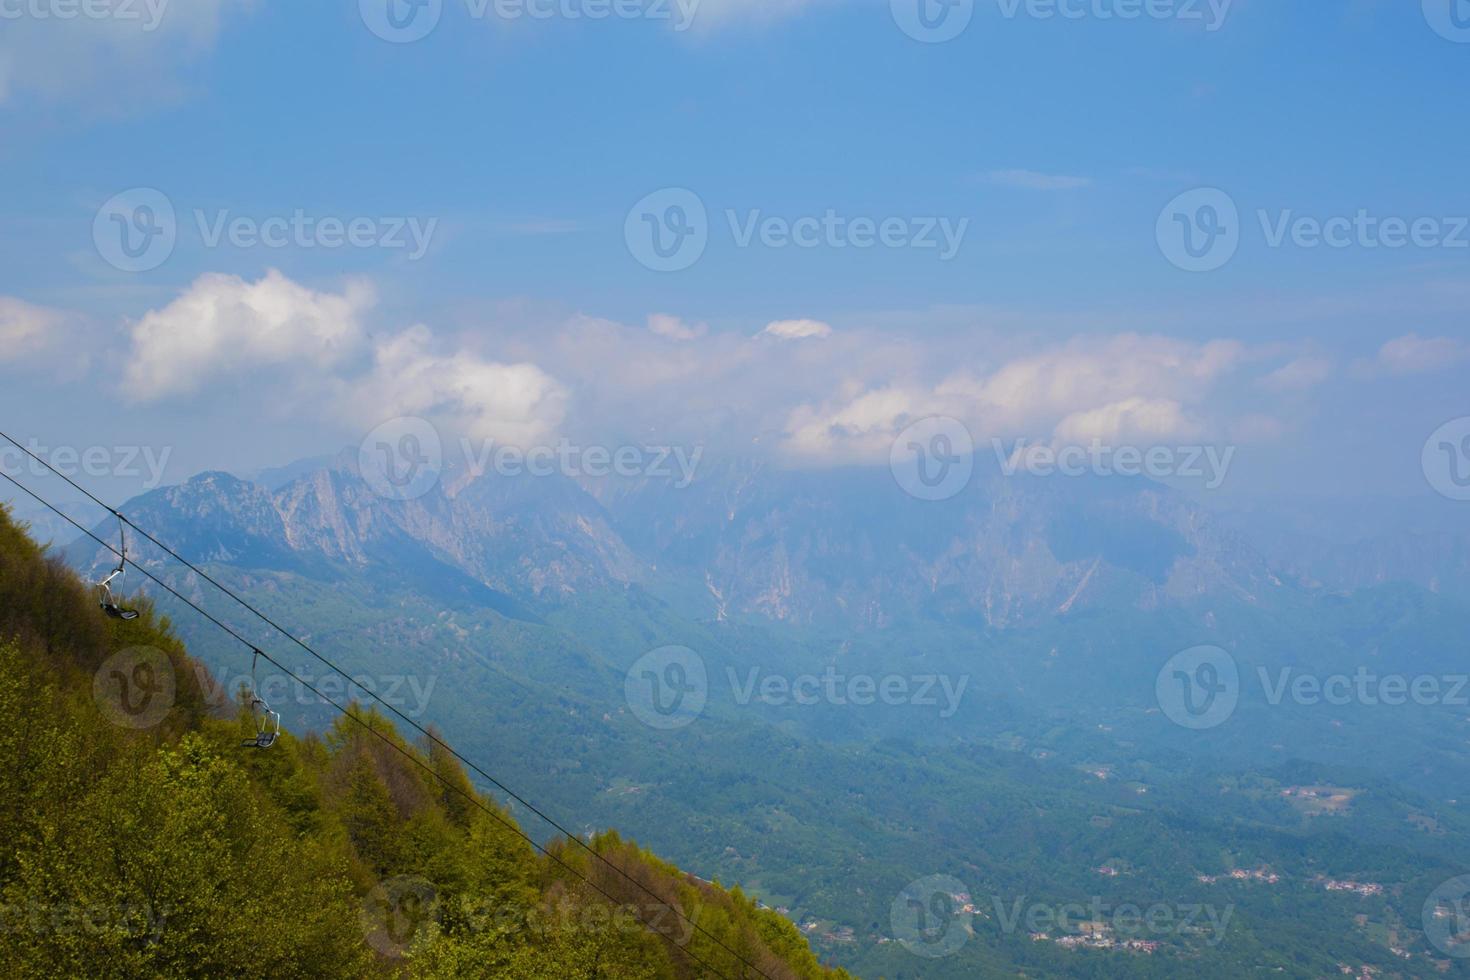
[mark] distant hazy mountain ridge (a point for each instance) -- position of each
(845, 545)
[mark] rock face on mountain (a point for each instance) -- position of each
(215, 517)
(499, 533)
(795, 546)
(850, 544)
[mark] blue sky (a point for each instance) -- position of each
(1053, 144)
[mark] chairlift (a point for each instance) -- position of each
(267, 722)
(108, 601)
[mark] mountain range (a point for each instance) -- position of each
(521, 610)
(842, 547)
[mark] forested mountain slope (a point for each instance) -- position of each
(142, 840)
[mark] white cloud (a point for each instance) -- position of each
(1142, 389)
(1132, 421)
(797, 329)
(1300, 374)
(727, 390)
(223, 324)
(674, 328)
(128, 59)
(315, 358)
(1091, 373)
(1412, 354)
(860, 428)
(26, 329)
(519, 404)
(1032, 180)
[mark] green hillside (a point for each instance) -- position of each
(143, 841)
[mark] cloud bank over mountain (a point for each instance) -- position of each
(803, 391)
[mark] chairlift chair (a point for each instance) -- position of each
(108, 601)
(267, 722)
